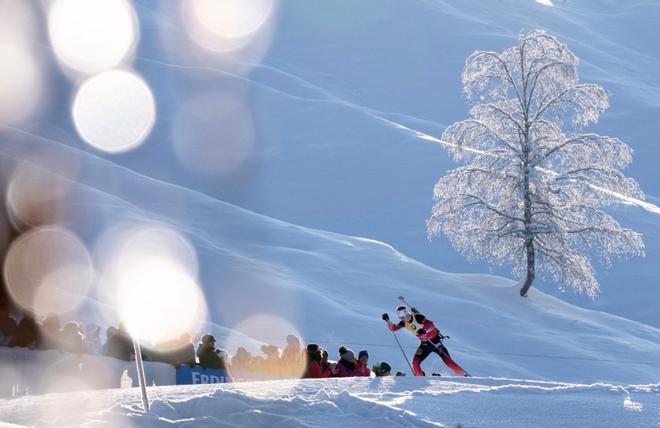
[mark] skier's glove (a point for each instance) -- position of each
(421, 332)
(386, 317)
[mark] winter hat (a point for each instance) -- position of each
(363, 352)
(348, 355)
(342, 350)
(401, 311)
(312, 347)
(382, 368)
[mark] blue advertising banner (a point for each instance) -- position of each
(186, 375)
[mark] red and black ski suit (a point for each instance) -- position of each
(426, 331)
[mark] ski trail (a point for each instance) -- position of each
(329, 97)
(423, 136)
(648, 206)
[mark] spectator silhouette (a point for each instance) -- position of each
(327, 368)
(347, 364)
(314, 356)
(382, 369)
(50, 333)
(271, 364)
(363, 363)
(71, 338)
(211, 357)
(26, 334)
(176, 352)
(109, 333)
(292, 359)
(120, 344)
(7, 325)
(242, 360)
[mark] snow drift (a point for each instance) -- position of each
(380, 402)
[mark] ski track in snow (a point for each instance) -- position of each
(373, 113)
(329, 97)
(379, 402)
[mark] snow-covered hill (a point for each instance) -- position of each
(380, 402)
(317, 224)
(341, 101)
(332, 288)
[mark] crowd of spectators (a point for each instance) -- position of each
(293, 361)
(318, 365)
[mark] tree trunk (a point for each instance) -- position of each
(531, 272)
(527, 215)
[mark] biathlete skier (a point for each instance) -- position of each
(431, 339)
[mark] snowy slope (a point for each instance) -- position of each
(384, 402)
(332, 288)
(337, 99)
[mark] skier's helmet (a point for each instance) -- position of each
(401, 312)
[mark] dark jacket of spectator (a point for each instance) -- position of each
(382, 369)
(7, 325)
(176, 352)
(363, 363)
(119, 345)
(71, 338)
(326, 366)
(50, 333)
(292, 361)
(347, 364)
(243, 360)
(26, 334)
(314, 357)
(209, 356)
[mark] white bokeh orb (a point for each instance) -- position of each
(114, 111)
(92, 36)
(227, 25)
(48, 269)
(21, 81)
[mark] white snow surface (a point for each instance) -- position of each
(377, 402)
(331, 289)
(349, 100)
(345, 105)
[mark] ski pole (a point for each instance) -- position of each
(404, 354)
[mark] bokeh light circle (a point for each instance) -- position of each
(114, 111)
(224, 26)
(21, 82)
(159, 301)
(39, 188)
(149, 279)
(264, 329)
(21, 75)
(213, 133)
(48, 269)
(92, 36)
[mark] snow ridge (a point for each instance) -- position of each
(379, 402)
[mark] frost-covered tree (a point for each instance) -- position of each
(532, 188)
